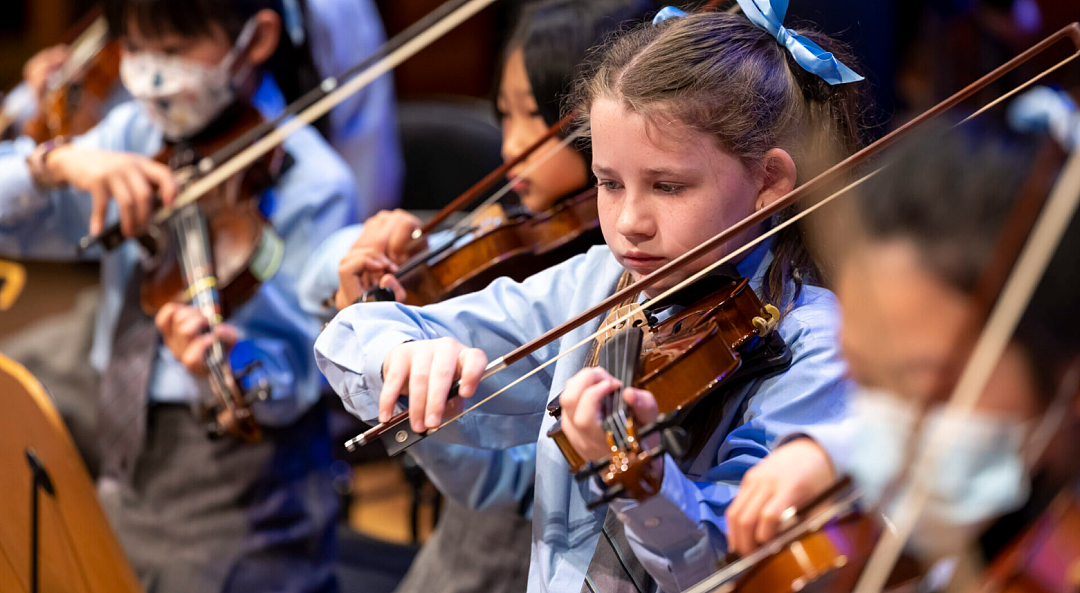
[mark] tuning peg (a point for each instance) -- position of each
(675, 441)
(663, 421)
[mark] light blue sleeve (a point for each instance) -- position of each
(47, 224)
(497, 319)
(319, 279)
(679, 534)
(476, 478)
(20, 104)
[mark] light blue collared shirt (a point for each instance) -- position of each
(482, 478)
(312, 199)
(678, 535)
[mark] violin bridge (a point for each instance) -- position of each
(766, 326)
(636, 318)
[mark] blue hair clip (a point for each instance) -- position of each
(769, 15)
(667, 12)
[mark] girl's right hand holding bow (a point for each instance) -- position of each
(425, 370)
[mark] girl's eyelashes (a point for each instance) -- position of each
(669, 188)
(608, 184)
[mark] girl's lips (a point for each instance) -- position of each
(641, 261)
(522, 187)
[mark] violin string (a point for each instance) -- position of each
(1013, 300)
(274, 138)
(496, 365)
(530, 168)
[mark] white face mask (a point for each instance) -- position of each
(977, 471)
(182, 96)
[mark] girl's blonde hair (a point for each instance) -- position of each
(720, 74)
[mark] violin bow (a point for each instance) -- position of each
(404, 436)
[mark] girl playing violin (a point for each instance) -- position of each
(194, 514)
(906, 291)
(539, 62)
(696, 122)
(487, 549)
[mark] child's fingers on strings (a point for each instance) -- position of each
(643, 404)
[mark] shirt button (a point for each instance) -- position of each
(652, 522)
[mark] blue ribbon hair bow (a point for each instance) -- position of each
(769, 15)
(807, 54)
(667, 12)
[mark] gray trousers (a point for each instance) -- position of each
(472, 552)
(203, 515)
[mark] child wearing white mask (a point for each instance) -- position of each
(932, 220)
(194, 513)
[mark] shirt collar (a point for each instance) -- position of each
(756, 263)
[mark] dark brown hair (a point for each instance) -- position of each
(720, 74)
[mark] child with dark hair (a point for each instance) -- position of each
(931, 222)
(696, 122)
(194, 513)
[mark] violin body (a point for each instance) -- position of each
(77, 104)
(503, 244)
(691, 353)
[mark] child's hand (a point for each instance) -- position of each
(390, 232)
(581, 410)
(362, 269)
(38, 68)
(788, 477)
(184, 329)
(131, 180)
(426, 370)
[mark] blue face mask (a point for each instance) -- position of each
(977, 470)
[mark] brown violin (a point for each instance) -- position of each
(74, 98)
(499, 242)
(724, 333)
(822, 546)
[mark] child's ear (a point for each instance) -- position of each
(267, 36)
(778, 177)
